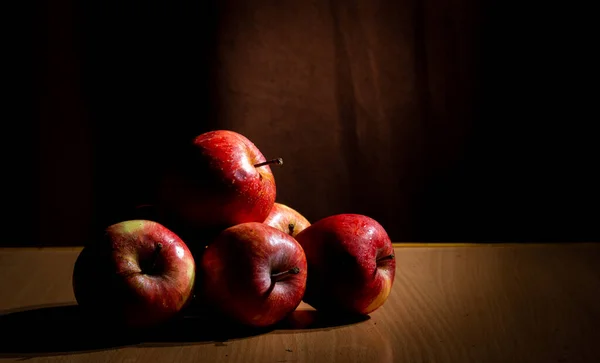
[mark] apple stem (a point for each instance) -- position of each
(278, 161)
(291, 228)
(388, 257)
(159, 247)
(282, 275)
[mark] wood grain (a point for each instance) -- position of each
(501, 303)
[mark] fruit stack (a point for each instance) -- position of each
(261, 260)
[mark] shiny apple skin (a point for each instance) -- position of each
(236, 271)
(286, 219)
(113, 278)
(215, 185)
(342, 253)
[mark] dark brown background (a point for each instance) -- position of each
(434, 117)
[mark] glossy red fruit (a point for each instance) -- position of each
(286, 219)
(351, 264)
(138, 274)
(222, 180)
(254, 274)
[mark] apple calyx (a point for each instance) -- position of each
(388, 257)
(291, 228)
(282, 275)
(157, 249)
(278, 161)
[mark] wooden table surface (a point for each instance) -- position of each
(491, 303)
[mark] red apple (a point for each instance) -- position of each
(254, 274)
(221, 180)
(350, 262)
(286, 219)
(139, 274)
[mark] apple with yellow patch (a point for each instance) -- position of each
(351, 264)
(254, 274)
(138, 274)
(286, 219)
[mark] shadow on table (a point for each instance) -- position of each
(63, 329)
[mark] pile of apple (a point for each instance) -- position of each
(265, 259)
